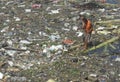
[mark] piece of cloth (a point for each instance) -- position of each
(88, 27)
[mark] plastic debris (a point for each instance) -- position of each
(10, 63)
(9, 2)
(101, 10)
(1, 75)
(10, 52)
(85, 13)
(66, 24)
(93, 75)
(51, 80)
(36, 6)
(114, 26)
(27, 10)
(22, 6)
(100, 28)
(43, 34)
(17, 79)
(117, 59)
(54, 11)
(10, 42)
(79, 34)
(68, 42)
(54, 37)
(105, 32)
(56, 47)
(25, 42)
(75, 28)
(5, 29)
(17, 18)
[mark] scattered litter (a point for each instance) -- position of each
(33, 35)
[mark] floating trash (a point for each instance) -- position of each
(5, 29)
(56, 47)
(51, 80)
(25, 42)
(67, 42)
(10, 52)
(36, 6)
(101, 10)
(84, 13)
(54, 37)
(100, 28)
(117, 59)
(75, 28)
(66, 24)
(10, 42)
(22, 6)
(79, 34)
(104, 32)
(27, 10)
(93, 75)
(10, 63)
(54, 11)
(17, 19)
(1, 75)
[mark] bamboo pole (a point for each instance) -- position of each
(95, 47)
(102, 44)
(109, 21)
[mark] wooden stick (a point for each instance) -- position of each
(18, 49)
